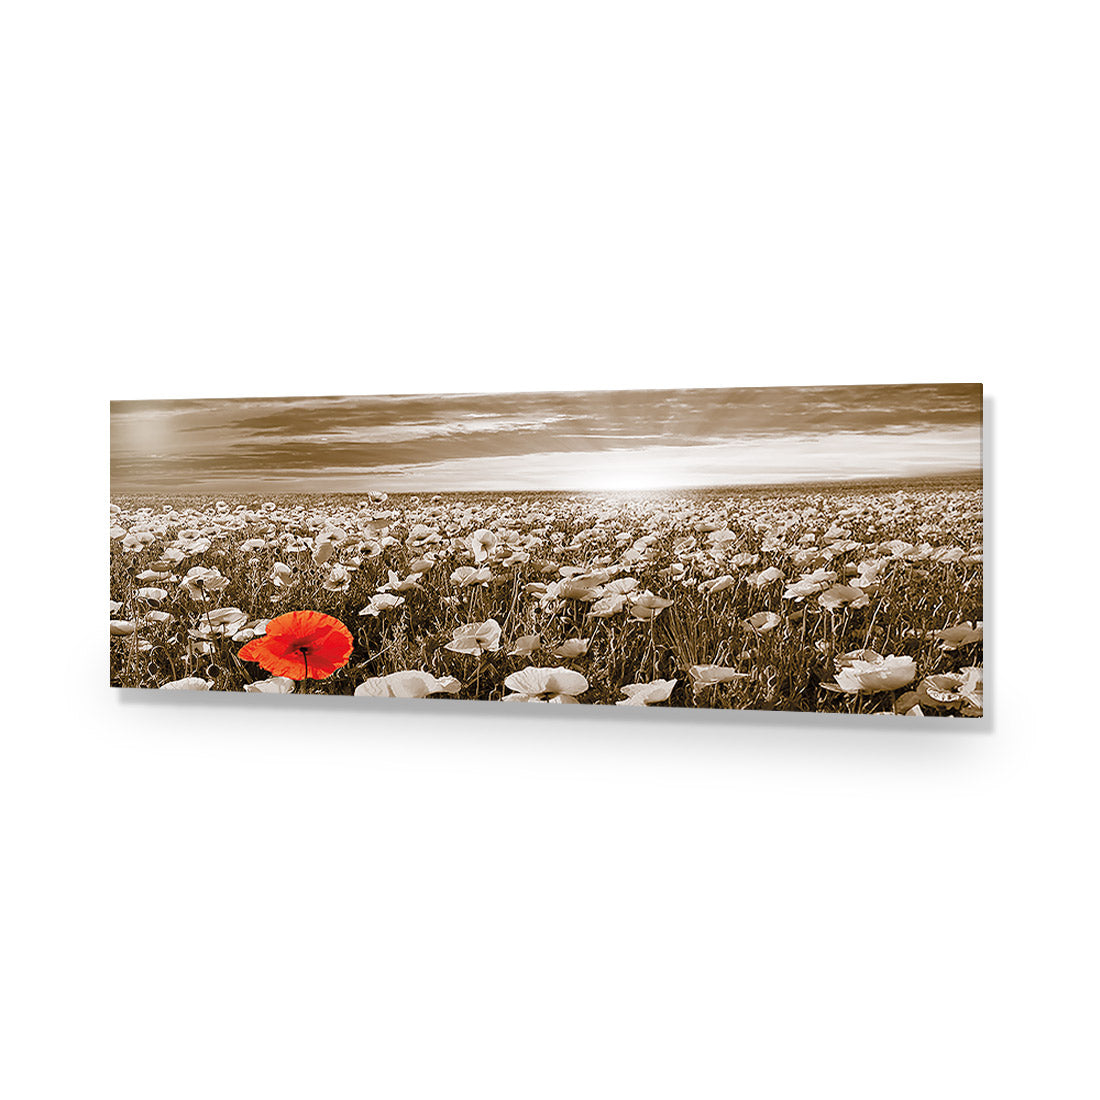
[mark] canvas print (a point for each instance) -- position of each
(813, 549)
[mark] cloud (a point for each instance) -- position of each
(544, 440)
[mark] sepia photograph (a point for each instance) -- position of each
(801, 549)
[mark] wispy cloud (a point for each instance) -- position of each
(544, 440)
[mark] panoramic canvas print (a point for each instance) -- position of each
(785, 548)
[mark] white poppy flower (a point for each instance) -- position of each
(640, 695)
(188, 683)
(410, 684)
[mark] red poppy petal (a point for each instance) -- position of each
(251, 651)
(293, 666)
(287, 625)
(329, 637)
(322, 671)
(331, 641)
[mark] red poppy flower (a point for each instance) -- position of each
(301, 644)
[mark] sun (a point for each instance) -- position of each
(627, 472)
(624, 482)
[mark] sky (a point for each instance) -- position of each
(594, 440)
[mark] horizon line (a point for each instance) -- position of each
(971, 473)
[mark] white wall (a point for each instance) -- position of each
(255, 898)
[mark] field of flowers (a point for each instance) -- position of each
(856, 600)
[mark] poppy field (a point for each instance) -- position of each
(858, 599)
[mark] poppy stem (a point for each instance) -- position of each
(871, 625)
